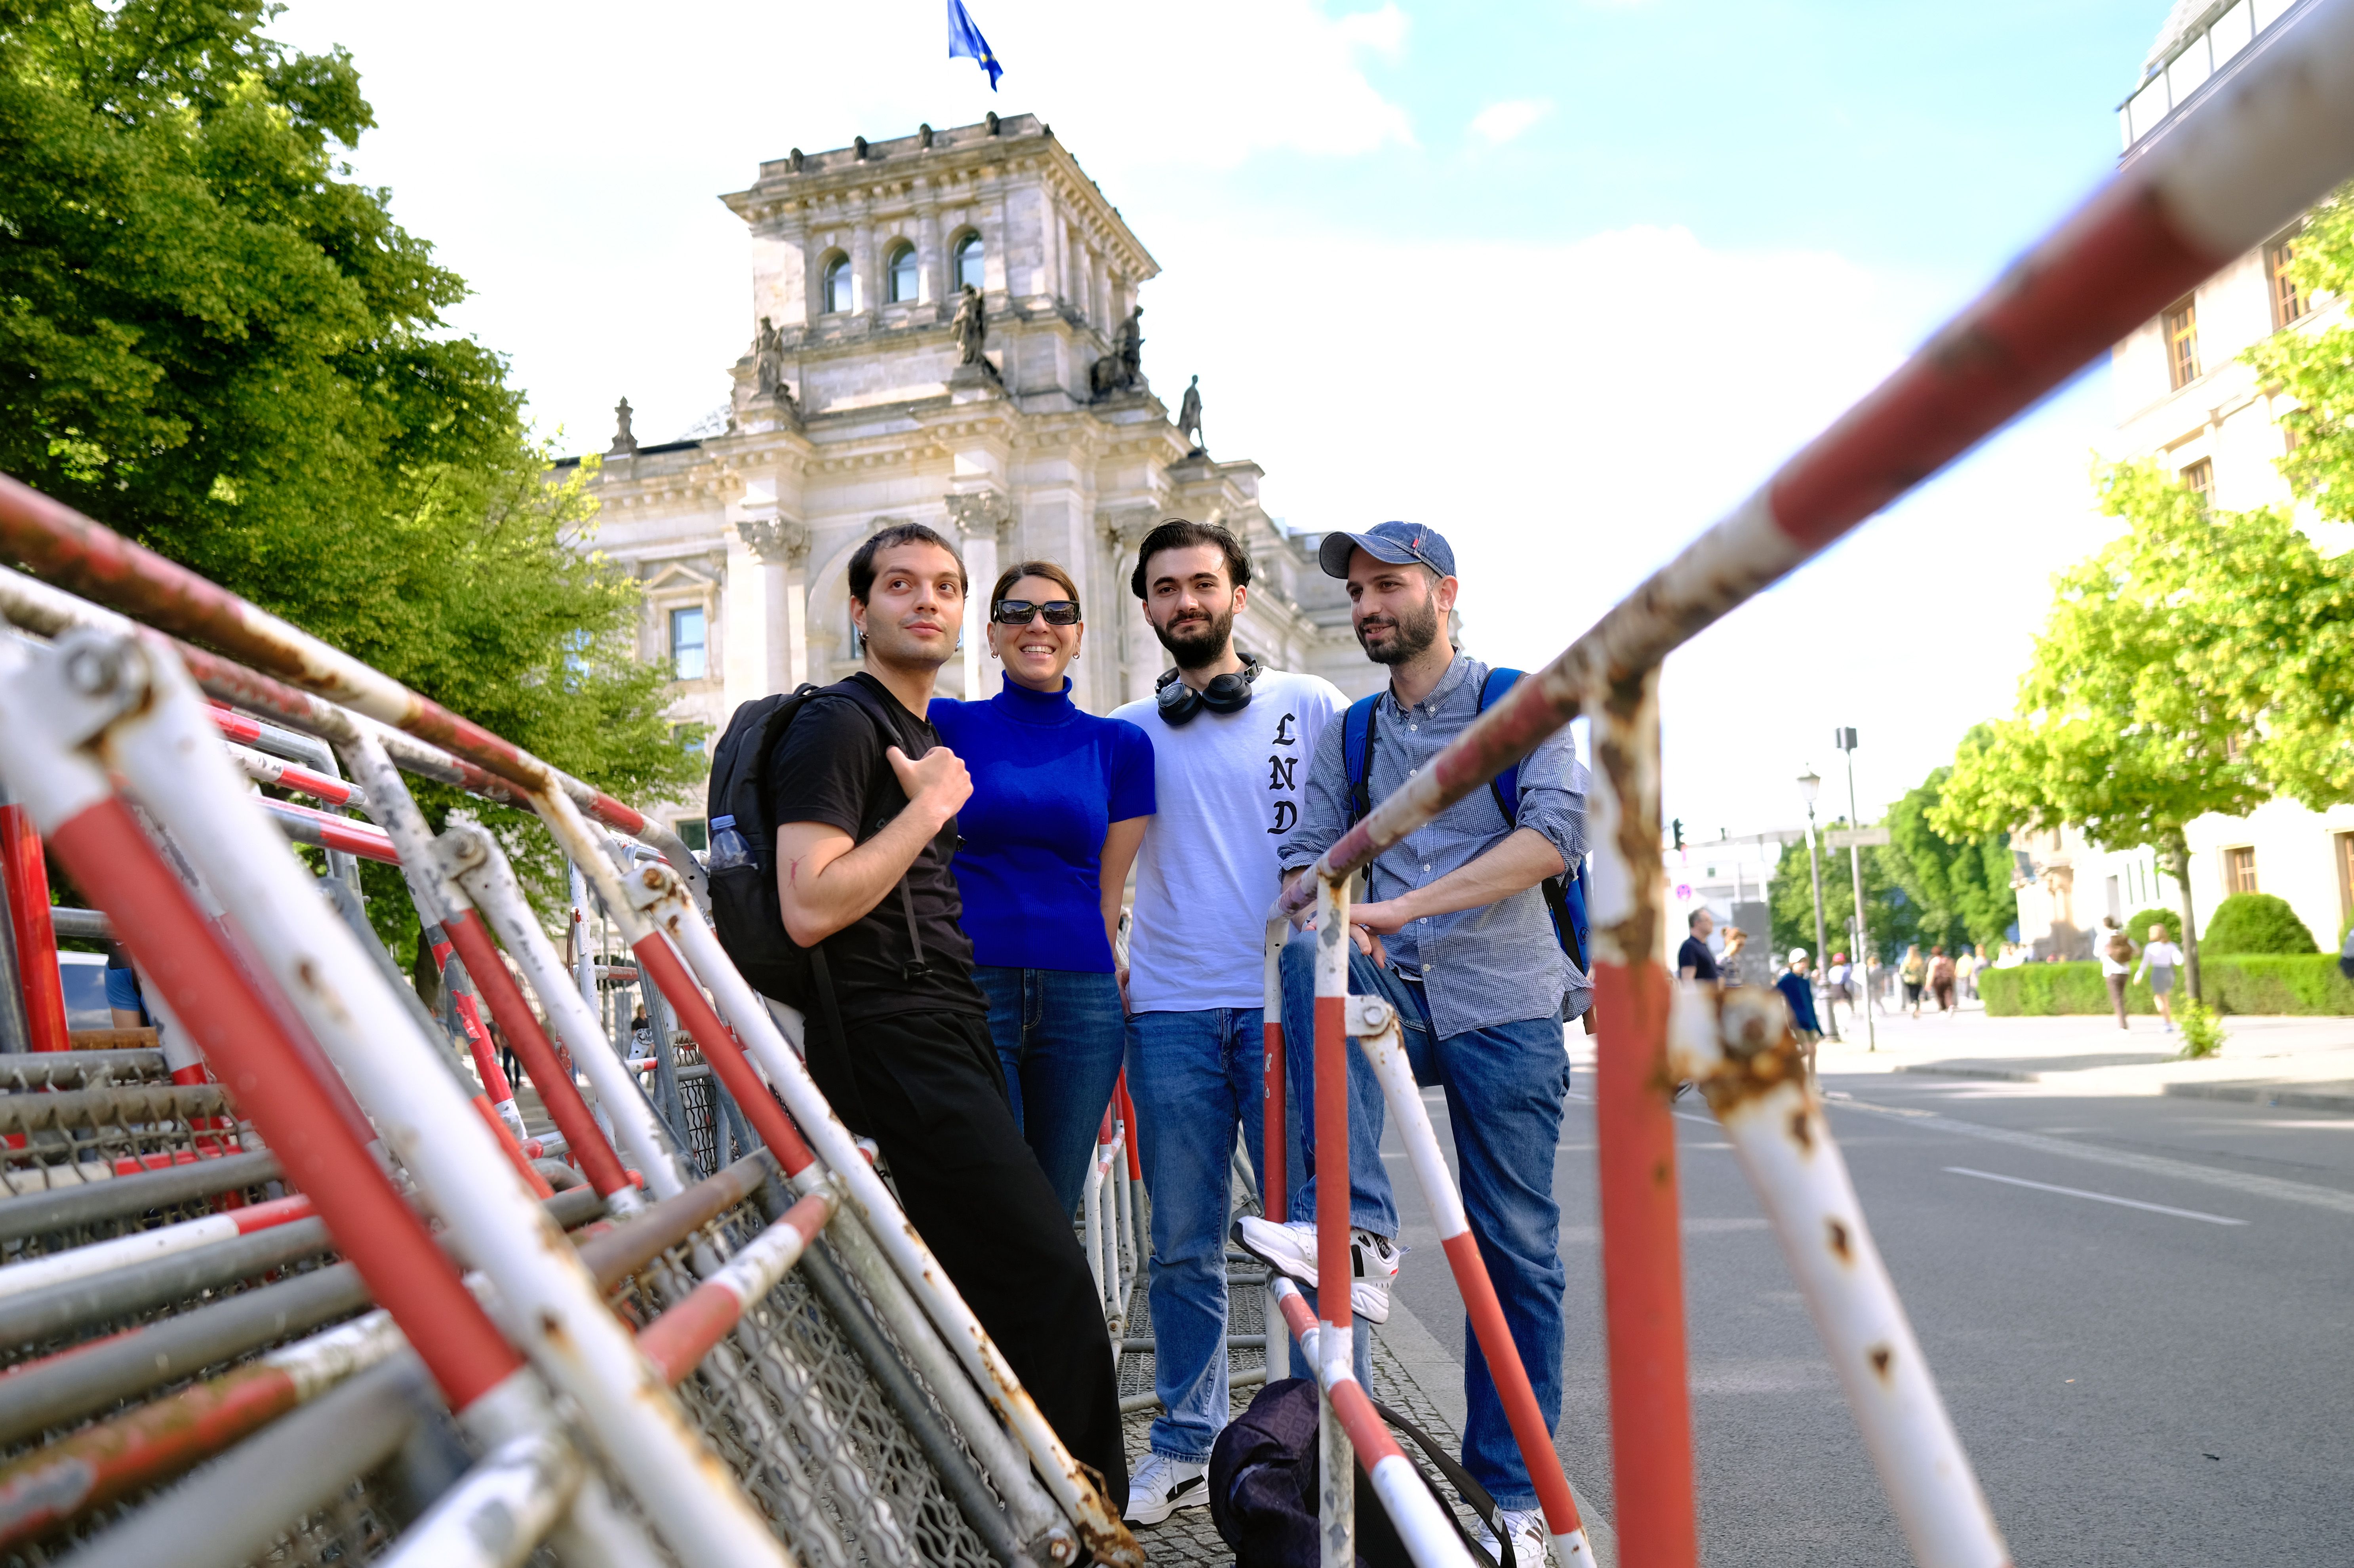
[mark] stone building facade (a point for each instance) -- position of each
(2184, 399)
(868, 395)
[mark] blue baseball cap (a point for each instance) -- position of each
(1394, 543)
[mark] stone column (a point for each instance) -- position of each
(1140, 654)
(783, 549)
(867, 291)
(931, 263)
(981, 519)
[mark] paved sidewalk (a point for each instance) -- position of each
(2290, 1061)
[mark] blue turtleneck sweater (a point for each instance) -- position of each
(1048, 782)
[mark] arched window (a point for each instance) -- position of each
(968, 263)
(902, 269)
(837, 285)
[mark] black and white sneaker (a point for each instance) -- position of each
(1163, 1485)
(1292, 1249)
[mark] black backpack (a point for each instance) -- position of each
(745, 908)
(1263, 1487)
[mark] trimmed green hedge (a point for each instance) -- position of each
(2297, 983)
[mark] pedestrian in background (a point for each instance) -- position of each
(1941, 979)
(1060, 800)
(1837, 978)
(1693, 960)
(2161, 958)
(1966, 969)
(1732, 964)
(1800, 992)
(2116, 956)
(1915, 974)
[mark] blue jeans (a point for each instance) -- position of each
(1194, 1076)
(1059, 1039)
(1504, 1088)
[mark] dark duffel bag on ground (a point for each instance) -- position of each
(1263, 1487)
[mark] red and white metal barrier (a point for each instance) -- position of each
(1375, 1027)
(160, 1440)
(129, 701)
(2219, 180)
(654, 893)
(677, 1341)
(27, 881)
(1108, 1217)
(1429, 1536)
(145, 1246)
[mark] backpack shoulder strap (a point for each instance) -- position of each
(1357, 756)
(1471, 1491)
(1505, 786)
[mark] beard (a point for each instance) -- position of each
(1197, 641)
(893, 645)
(1410, 634)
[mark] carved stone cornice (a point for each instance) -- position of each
(778, 541)
(982, 514)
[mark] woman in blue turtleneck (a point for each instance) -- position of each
(1059, 800)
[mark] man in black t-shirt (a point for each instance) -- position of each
(864, 800)
(1693, 960)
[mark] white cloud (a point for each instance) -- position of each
(1508, 121)
(1570, 414)
(570, 172)
(1573, 415)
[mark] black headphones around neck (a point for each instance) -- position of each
(1227, 694)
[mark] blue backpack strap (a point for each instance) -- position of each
(1357, 756)
(1504, 786)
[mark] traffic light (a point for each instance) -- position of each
(1677, 828)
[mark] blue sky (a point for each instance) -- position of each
(1562, 279)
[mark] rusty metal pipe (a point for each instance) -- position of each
(1274, 1202)
(1751, 1067)
(143, 714)
(1375, 1025)
(1336, 1492)
(1642, 1258)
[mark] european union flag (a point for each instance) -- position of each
(965, 39)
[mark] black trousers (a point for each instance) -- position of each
(926, 1086)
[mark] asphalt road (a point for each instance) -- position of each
(2135, 1384)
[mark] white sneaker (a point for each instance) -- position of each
(1531, 1541)
(1292, 1249)
(1163, 1485)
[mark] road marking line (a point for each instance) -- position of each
(2241, 1181)
(2096, 1197)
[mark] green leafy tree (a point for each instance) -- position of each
(214, 342)
(2290, 664)
(2138, 926)
(1892, 917)
(2122, 729)
(1960, 888)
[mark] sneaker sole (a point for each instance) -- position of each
(1198, 1496)
(1366, 1301)
(1298, 1265)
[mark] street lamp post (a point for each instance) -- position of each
(1845, 738)
(1809, 784)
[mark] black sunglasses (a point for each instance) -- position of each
(1021, 611)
